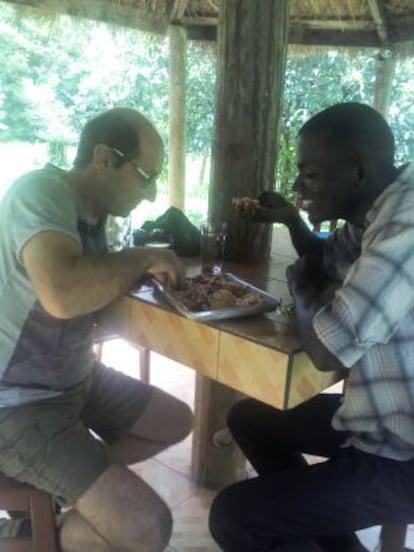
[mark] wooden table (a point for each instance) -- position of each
(259, 356)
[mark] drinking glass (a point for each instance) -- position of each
(213, 239)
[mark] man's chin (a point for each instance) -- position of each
(123, 213)
(317, 218)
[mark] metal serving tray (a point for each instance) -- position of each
(268, 303)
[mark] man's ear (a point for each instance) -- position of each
(362, 172)
(102, 157)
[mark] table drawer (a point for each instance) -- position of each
(255, 370)
(167, 333)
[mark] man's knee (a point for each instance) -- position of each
(165, 419)
(77, 533)
(156, 532)
(126, 512)
(238, 412)
(243, 414)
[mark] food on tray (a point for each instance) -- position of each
(246, 204)
(207, 292)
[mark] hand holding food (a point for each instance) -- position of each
(267, 207)
(275, 208)
(166, 267)
(246, 205)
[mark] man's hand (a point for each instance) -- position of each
(275, 208)
(166, 267)
(304, 279)
(267, 207)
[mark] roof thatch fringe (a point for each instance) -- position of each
(336, 20)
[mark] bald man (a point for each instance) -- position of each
(55, 275)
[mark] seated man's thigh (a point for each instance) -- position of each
(165, 419)
(118, 405)
(349, 492)
(46, 444)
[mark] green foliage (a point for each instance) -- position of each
(56, 74)
(401, 115)
(200, 91)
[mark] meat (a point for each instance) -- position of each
(214, 292)
(246, 204)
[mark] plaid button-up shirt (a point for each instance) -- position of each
(369, 325)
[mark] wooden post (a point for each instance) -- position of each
(384, 75)
(216, 460)
(177, 146)
(252, 48)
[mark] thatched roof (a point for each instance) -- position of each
(349, 23)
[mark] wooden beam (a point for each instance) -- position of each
(206, 34)
(365, 37)
(301, 36)
(177, 146)
(177, 11)
(378, 14)
(335, 24)
(318, 32)
(200, 21)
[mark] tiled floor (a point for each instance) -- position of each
(170, 472)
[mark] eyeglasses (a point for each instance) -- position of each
(148, 178)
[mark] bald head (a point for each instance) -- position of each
(356, 130)
(122, 128)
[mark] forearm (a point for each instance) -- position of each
(323, 359)
(69, 283)
(90, 282)
(304, 240)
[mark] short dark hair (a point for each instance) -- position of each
(112, 128)
(355, 128)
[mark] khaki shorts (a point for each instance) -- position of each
(49, 444)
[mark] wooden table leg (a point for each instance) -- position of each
(144, 364)
(216, 462)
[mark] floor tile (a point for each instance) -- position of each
(172, 486)
(178, 458)
(191, 532)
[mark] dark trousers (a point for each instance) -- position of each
(292, 506)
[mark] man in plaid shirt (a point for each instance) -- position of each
(354, 303)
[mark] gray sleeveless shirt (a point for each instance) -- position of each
(40, 355)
